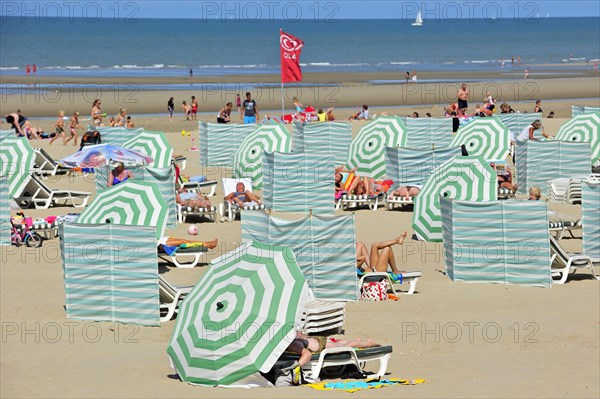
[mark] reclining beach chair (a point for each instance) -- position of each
(408, 277)
(335, 357)
(348, 201)
(392, 201)
(175, 257)
(41, 196)
(560, 227)
(184, 211)
(231, 211)
(45, 165)
(181, 162)
(207, 188)
(170, 298)
(573, 195)
(564, 262)
(557, 190)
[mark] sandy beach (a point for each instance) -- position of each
(466, 340)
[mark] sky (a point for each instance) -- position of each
(300, 9)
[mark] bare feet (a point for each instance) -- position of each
(400, 238)
(211, 244)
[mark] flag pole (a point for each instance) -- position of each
(282, 103)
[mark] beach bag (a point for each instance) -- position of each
(374, 291)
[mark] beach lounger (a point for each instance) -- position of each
(335, 357)
(505, 193)
(195, 253)
(560, 227)
(564, 262)
(181, 162)
(320, 316)
(230, 211)
(393, 201)
(348, 201)
(407, 277)
(45, 165)
(207, 188)
(184, 211)
(170, 298)
(41, 196)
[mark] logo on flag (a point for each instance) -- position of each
(290, 48)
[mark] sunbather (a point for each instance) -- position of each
(192, 199)
(407, 191)
(305, 345)
(241, 196)
(118, 175)
(505, 179)
(176, 242)
(381, 255)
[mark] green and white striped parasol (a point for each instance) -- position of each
(240, 316)
(463, 178)
(584, 129)
(367, 150)
(247, 160)
(154, 144)
(485, 137)
(129, 203)
(16, 162)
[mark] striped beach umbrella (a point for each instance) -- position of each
(130, 203)
(16, 162)
(240, 316)
(94, 156)
(154, 144)
(463, 178)
(584, 129)
(485, 137)
(247, 160)
(367, 150)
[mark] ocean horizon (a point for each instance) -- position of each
(170, 47)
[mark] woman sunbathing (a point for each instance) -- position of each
(191, 199)
(241, 196)
(381, 255)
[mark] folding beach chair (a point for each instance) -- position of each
(170, 298)
(41, 196)
(45, 165)
(231, 211)
(184, 211)
(564, 262)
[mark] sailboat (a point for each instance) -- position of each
(418, 21)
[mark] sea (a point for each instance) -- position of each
(171, 47)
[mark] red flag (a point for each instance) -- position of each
(290, 48)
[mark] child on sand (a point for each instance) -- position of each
(59, 127)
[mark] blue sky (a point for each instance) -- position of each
(301, 9)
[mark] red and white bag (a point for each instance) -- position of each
(374, 291)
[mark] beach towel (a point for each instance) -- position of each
(352, 386)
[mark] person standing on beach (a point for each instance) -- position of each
(171, 108)
(238, 104)
(34, 69)
(538, 107)
(414, 77)
(407, 76)
(28, 69)
(194, 107)
(191, 73)
(250, 110)
(463, 98)
(73, 126)
(97, 113)
(59, 127)
(526, 73)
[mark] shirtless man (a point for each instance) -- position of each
(59, 127)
